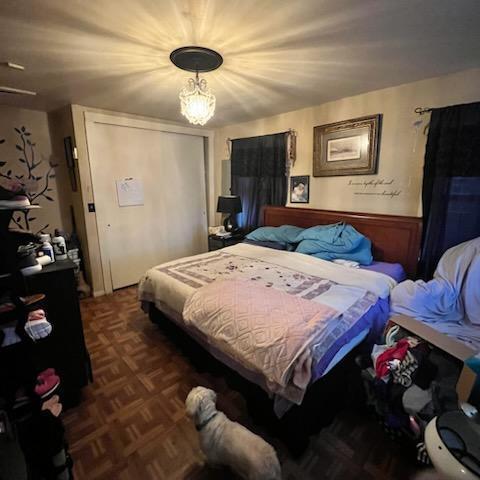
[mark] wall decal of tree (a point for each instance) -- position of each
(36, 186)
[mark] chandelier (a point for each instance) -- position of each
(196, 100)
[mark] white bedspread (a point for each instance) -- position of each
(164, 284)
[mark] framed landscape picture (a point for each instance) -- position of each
(349, 147)
(300, 189)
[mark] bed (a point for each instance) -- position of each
(362, 295)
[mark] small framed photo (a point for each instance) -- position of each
(349, 147)
(300, 189)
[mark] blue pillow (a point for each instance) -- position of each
(285, 233)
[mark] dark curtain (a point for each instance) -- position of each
(258, 175)
(451, 182)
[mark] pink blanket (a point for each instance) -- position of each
(267, 331)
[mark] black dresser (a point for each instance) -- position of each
(64, 349)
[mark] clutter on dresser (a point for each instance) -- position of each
(44, 362)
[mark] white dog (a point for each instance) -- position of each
(228, 443)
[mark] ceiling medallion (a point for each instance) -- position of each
(196, 100)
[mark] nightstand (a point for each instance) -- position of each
(216, 243)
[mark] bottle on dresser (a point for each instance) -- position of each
(47, 248)
(59, 246)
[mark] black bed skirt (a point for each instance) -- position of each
(340, 388)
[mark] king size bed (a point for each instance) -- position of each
(284, 319)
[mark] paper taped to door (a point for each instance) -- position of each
(129, 192)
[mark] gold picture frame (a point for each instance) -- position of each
(349, 147)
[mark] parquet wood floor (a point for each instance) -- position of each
(131, 424)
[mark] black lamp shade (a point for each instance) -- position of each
(229, 204)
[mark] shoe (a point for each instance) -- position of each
(17, 201)
(6, 307)
(47, 385)
(13, 196)
(10, 337)
(27, 260)
(46, 373)
(6, 304)
(23, 408)
(28, 265)
(10, 189)
(26, 249)
(32, 299)
(37, 326)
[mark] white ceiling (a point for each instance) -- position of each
(279, 55)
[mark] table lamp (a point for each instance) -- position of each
(230, 204)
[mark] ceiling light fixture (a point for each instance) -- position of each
(196, 100)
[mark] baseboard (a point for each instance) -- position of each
(99, 293)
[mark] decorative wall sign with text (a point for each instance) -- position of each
(379, 187)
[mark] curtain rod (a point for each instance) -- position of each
(422, 111)
(290, 130)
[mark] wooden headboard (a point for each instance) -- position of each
(395, 239)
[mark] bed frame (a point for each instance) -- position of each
(394, 238)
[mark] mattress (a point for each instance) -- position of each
(394, 270)
(365, 305)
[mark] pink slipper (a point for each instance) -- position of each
(46, 373)
(47, 385)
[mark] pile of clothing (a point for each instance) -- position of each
(398, 360)
(408, 383)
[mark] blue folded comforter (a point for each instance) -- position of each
(330, 242)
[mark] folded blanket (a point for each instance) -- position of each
(264, 330)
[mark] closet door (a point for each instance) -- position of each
(170, 221)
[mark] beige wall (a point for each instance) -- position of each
(402, 144)
(54, 213)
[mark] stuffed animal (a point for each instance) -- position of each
(228, 443)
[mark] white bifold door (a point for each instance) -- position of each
(167, 171)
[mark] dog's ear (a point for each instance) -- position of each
(212, 396)
(191, 403)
